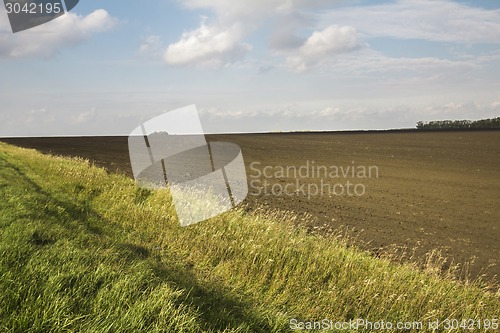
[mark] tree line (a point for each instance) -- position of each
(460, 124)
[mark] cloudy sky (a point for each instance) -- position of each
(251, 66)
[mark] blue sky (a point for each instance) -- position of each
(251, 66)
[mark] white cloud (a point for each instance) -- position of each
(46, 40)
(304, 116)
(39, 116)
(368, 61)
(86, 117)
(285, 33)
(220, 43)
(208, 47)
(471, 110)
(438, 20)
(150, 46)
(231, 9)
(322, 45)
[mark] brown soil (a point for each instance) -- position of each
(434, 190)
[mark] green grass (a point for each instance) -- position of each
(84, 250)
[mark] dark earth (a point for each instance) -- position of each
(434, 190)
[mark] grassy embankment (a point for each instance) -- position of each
(82, 250)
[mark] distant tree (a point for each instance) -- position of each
(493, 123)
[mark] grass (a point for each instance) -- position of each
(84, 250)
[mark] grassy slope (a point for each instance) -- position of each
(81, 250)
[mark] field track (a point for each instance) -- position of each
(434, 190)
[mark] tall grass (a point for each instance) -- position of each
(84, 250)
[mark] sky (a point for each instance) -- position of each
(251, 66)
